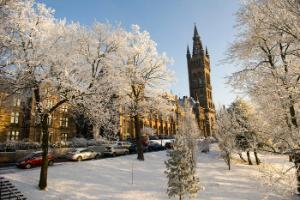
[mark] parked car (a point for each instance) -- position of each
(153, 146)
(114, 150)
(124, 144)
(82, 154)
(34, 159)
(99, 149)
(132, 148)
(162, 139)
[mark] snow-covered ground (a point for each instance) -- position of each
(112, 179)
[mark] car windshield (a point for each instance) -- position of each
(31, 155)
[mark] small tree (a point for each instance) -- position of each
(225, 134)
(246, 136)
(188, 127)
(182, 179)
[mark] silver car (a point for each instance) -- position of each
(124, 144)
(82, 154)
(115, 150)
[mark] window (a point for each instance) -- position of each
(63, 122)
(14, 118)
(49, 120)
(64, 108)
(13, 135)
(16, 102)
(64, 137)
(50, 137)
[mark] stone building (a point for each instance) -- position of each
(18, 119)
(151, 123)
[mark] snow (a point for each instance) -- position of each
(111, 178)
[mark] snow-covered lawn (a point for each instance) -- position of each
(112, 179)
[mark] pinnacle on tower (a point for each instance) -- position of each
(188, 50)
(188, 54)
(206, 52)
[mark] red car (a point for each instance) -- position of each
(34, 159)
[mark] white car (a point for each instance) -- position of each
(124, 144)
(114, 150)
(82, 154)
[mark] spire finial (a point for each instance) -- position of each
(195, 31)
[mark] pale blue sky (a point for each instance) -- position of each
(170, 23)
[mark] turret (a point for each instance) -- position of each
(188, 54)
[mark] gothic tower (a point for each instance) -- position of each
(199, 81)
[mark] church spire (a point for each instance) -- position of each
(197, 44)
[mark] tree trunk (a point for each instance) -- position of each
(293, 112)
(138, 137)
(44, 167)
(96, 132)
(180, 197)
(296, 158)
(256, 157)
(241, 157)
(228, 160)
(249, 159)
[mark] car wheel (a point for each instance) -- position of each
(114, 154)
(28, 166)
(126, 152)
(79, 158)
(97, 156)
(50, 162)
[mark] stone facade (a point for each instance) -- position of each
(18, 119)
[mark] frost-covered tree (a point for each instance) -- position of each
(267, 51)
(225, 133)
(182, 164)
(188, 127)
(246, 137)
(47, 56)
(144, 75)
(182, 178)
